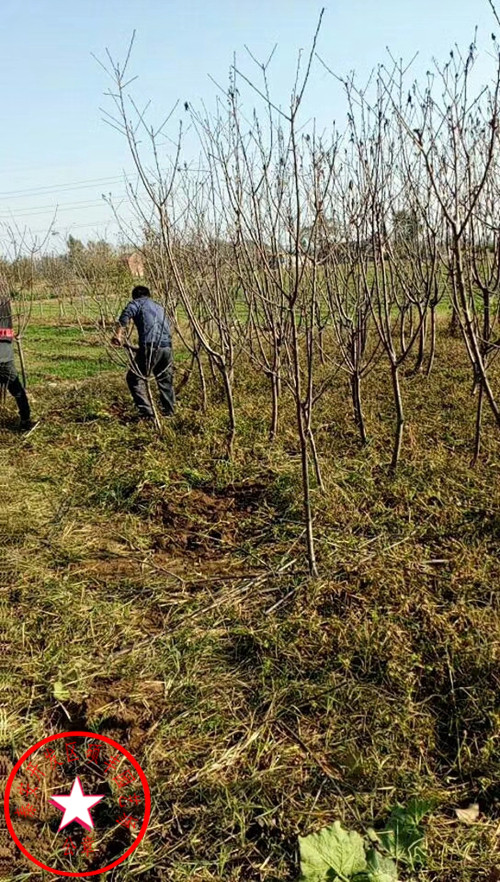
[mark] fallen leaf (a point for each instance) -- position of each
(331, 853)
(468, 815)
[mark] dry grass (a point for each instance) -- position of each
(169, 589)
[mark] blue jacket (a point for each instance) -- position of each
(150, 320)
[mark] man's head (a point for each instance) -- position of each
(140, 291)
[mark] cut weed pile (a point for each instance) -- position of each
(165, 590)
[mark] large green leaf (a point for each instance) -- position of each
(381, 869)
(415, 810)
(403, 838)
(330, 855)
(405, 844)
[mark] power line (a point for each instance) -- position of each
(36, 169)
(101, 223)
(79, 185)
(94, 222)
(58, 188)
(97, 224)
(71, 227)
(64, 206)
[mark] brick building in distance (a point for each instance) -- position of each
(134, 263)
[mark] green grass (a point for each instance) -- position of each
(167, 589)
(63, 353)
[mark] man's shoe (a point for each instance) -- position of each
(26, 425)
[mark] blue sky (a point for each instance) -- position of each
(55, 148)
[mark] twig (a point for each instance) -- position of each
(494, 11)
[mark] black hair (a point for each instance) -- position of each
(140, 291)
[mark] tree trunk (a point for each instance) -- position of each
(306, 490)
(273, 429)
(203, 382)
(474, 347)
(156, 418)
(230, 410)
(321, 345)
(479, 414)
(454, 326)
(432, 352)
(186, 376)
(358, 406)
(421, 345)
(398, 401)
(212, 369)
(21, 361)
(317, 467)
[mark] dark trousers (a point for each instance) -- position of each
(157, 362)
(10, 379)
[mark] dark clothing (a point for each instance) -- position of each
(6, 332)
(10, 379)
(8, 373)
(150, 320)
(157, 361)
(6, 351)
(154, 355)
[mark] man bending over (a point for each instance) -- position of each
(154, 355)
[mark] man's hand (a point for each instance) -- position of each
(117, 338)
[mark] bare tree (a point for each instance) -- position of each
(457, 137)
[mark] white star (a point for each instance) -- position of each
(76, 806)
